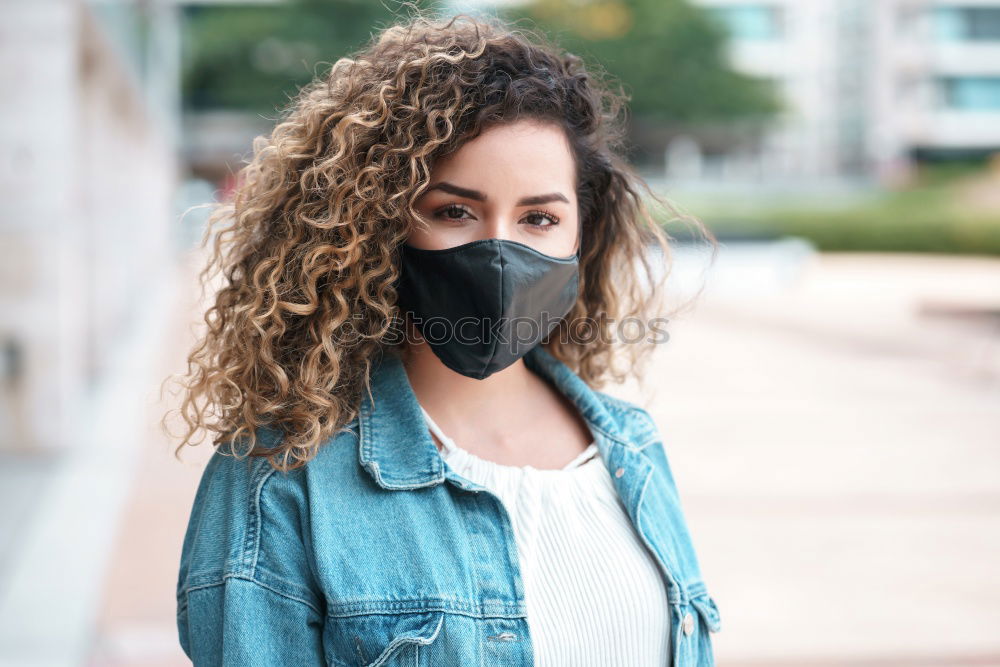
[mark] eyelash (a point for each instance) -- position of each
(553, 220)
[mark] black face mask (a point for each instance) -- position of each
(483, 305)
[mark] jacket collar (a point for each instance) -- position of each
(396, 448)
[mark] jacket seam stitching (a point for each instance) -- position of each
(267, 476)
(334, 615)
(281, 580)
(254, 581)
(251, 547)
(681, 588)
(617, 439)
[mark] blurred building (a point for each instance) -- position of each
(89, 124)
(88, 133)
(870, 87)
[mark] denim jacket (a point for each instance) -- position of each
(376, 553)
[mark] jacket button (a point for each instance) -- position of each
(688, 623)
(619, 472)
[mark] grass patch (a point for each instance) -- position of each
(948, 209)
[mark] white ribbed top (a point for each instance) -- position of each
(593, 592)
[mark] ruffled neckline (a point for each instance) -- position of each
(586, 460)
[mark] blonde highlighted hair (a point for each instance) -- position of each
(306, 249)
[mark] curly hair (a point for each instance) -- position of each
(308, 254)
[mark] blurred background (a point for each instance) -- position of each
(830, 404)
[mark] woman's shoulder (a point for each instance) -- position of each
(251, 520)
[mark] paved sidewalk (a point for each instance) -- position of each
(136, 623)
(837, 447)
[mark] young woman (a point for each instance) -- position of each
(424, 272)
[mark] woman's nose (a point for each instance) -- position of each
(499, 228)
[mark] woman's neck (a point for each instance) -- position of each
(514, 416)
(453, 396)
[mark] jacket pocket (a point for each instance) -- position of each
(390, 639)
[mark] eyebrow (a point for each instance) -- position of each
(533, 200)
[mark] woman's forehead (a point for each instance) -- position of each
(522, 158)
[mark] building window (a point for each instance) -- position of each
(750, 22)
(966, 23)
(971, 93)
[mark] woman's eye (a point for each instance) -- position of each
(541, 219)
(452, 213)
(455, 213)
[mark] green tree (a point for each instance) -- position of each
(669, 56)
(255, 57)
